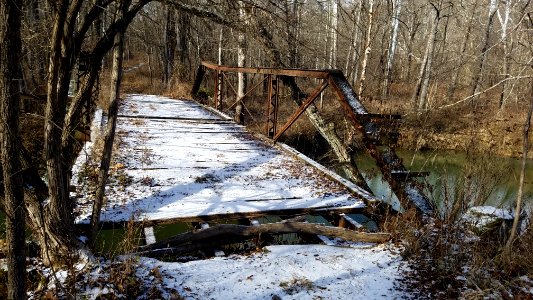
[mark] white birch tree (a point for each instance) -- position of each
(395, 25)
(368, 39)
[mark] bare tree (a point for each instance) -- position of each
(461, 54)
(241, 60)
(353, 50)
(109, 136)
(525, 149)
(420, 94)
(53, 222)
(333, 28)
(10, 84)
(368, 39)
(478, 73)
(170, 43)
(395, 24)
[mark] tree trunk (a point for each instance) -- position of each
(352, 56)
(392, 47)
(504, 21)
(334, 24)
(58, 212)
(519, 194)
(420, 94)
(430, 51)
(109, 136)
(368, 39)
(10, 76)
(170, 43)
(220, 40)
(184, 24)
(354, 72)
(462, 51)
(54, 221)
(241, 60)
(478, 73)
(292, 28)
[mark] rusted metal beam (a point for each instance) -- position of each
(272, 71)
(302, 108)
(386, 158)
(217, 94)
(229, 83)
(246, 94)
(272, 105)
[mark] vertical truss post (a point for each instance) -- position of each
(218, 89)
(273, 98)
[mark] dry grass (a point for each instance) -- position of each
(447, 259)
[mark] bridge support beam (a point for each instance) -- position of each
(273, 99)
(217, 95)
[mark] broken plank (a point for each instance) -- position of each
(227, 216)
(346, 222)
(229, 230)
(149, 235)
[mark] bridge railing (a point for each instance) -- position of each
(401, 181)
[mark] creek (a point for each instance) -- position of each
(484, 179)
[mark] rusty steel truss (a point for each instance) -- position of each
(401, 181)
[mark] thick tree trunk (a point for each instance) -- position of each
(10, 76)
(55, 221)
(58, 221)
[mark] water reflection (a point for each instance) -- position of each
(481, 179)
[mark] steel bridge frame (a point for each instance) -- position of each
(401, 181)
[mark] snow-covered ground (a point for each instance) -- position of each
(351, 271)
(289, 272)
(185, 161)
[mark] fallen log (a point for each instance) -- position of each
(229, 230)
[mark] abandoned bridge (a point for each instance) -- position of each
(182, 161)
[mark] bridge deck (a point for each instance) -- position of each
(185, 163)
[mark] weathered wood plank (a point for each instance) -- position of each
(224, 230)
(149, 235)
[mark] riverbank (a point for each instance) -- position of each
(485, 128)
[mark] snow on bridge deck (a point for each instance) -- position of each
(186, 162)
